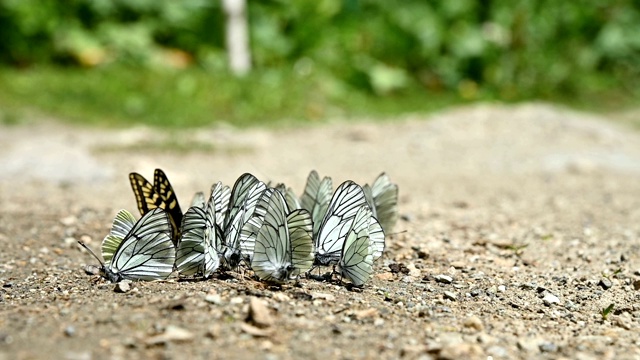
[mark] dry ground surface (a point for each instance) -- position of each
(521, 224)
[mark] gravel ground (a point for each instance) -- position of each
(520, 225)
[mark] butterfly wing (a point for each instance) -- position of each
(198, 200)
(163, 187)
(191, 249)
(293, 203)
(271, 259)
(122, 224)
(250, 229)
(212, 237)
(220, 194)
(146, 197)
(147, 252)
(160, 194)
(376, 235)
(241, 213)
(300, 227)
(344, 205)
(238, 196)
(368, 194)
(356, 262)
(385, 197)
(316, 198)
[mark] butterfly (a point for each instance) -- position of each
(160, 194)
(146, 252)
(201, 239)
(283, 245)
(356, 260)
(335, 225)
(316, 197)
(289, 196)
(382, 196)
(198, 200)
(242, 204)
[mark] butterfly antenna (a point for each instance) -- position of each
(90, 251)
(399, 232)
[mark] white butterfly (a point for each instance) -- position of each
(382, 196)
(146, 252)
(284, 245)
(220, 195)
(356, 261)
(244, 197)
(289, 196)
(201, 239)
(122, 224)
(198, 200)
(333, 229)
(316, 197)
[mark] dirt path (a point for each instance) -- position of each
(522, 224)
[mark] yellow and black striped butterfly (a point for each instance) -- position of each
(160, 194)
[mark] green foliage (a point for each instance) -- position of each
(121, 96)
(604, 313)
(507, 50)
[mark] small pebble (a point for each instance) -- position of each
(171, 333)
(259, 313)
(122, 287)
(502, 288)
(70, 331)
(605, 283)
(449, 295)
(69, 220)
(548, 347)
(213, 299)
(473, 322)
(530, 345)
(550, 299)
(445, 279)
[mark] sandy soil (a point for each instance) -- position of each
(522, 223)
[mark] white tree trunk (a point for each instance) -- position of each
(237, 36)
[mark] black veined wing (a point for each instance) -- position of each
(342, 209)
(385, 199)
(244, 197)
(122, 224)
(356, 261)
(300, 226)
(198, 200)
(250, 228)
(197, 252)
(368, 194)
(376, 233)
(160, 194)
(220, 195)
(293, 202)
(145, 253)
(316, 197)
(377, 237)
(283, 245)
(238, 196)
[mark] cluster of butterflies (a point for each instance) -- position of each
(267, 228)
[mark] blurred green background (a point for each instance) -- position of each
(163, 62)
